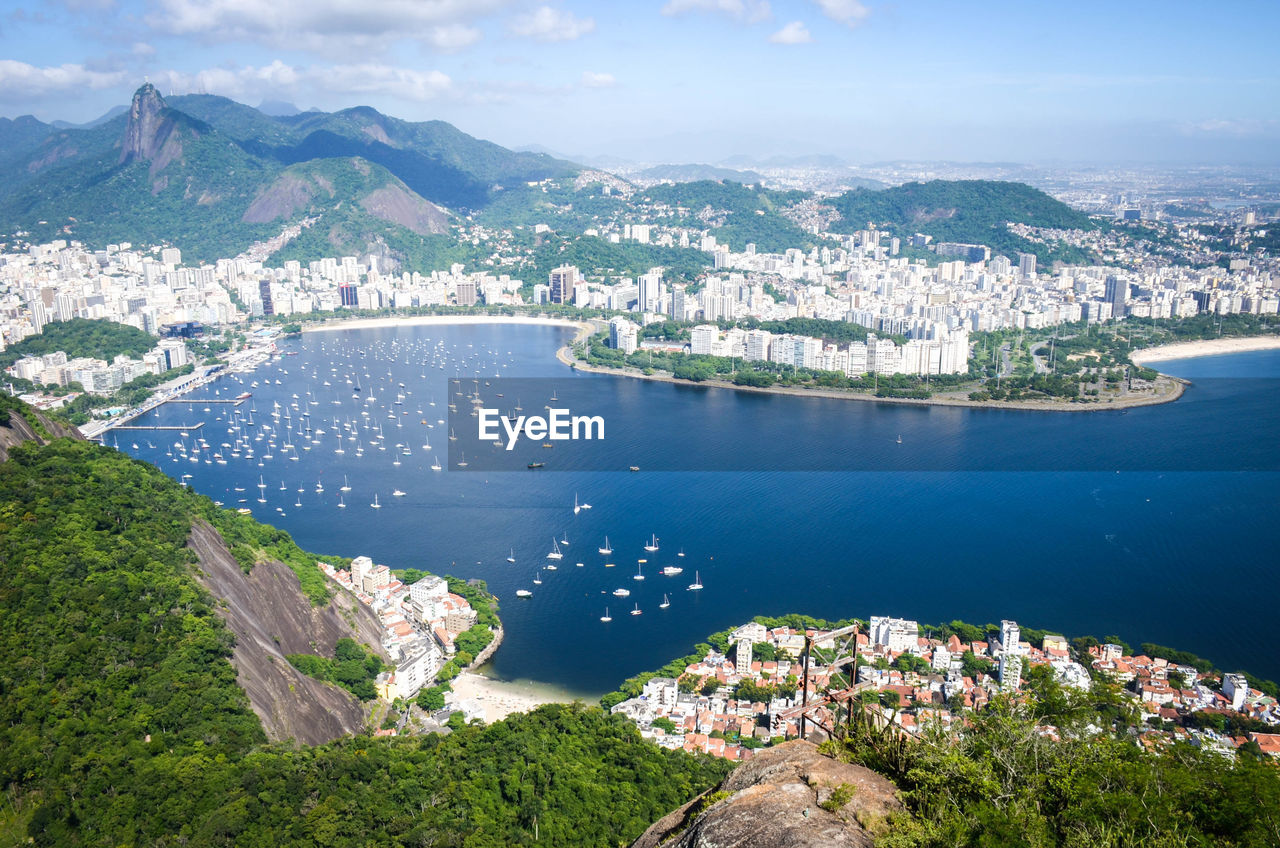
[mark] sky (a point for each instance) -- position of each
(697, 80)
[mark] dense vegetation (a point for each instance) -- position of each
(96, 338)
(965, 211)
(352, 667)
(736, 214)
(121, 721)
(1006, 781)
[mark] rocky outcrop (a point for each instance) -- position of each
(24, 424)
(398, 205)
(271, 619)
(788, 796)
(148, 126)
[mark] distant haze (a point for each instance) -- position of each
(696, 81)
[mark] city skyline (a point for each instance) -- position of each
(695, 80)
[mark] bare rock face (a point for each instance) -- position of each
(788, 796)
(271, 618)
(29, 425)
(397, 204)
(148, 127)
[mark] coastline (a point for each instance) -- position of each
(1172, 389)
(501, 698)
(415, 320)
(1204, 347)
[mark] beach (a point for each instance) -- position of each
(1204, 347)
(584, 328)
(501, 698)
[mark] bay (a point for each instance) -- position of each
(1177, 557)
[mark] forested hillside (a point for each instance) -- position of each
(121, 722)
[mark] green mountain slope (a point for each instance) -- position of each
(193, 172)
(966, 211)
(121, 722)
(736, 214)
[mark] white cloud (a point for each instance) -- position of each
(548, 24)
(793, 33)
(20, 81)
(323, 25)
(281, 80)
(848, 12)
(749, 11)
(591, 79)
(452, 37)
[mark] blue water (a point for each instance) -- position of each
(1168, 556)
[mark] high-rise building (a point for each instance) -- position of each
(650, 291)
(561, 281)
(348, 296)
(742, 657)
(1116, 293)
(1010, 671)
(1010, 635)
(264, 294)
(1027, 264)
(702, 338)
(466, 293)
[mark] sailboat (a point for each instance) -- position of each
(462, 463)
(605, 550)
(512, 558)
(638, 575)
(435, 464)
(681, 553)
(319, 487)
(375, 503)
(537, 580)
(341, 505)
(576, 507)
(564, 540)
(697, 582)
(899, 438)
(346, 487)
(666, 602)
(606, 618)
(636, 611)
(653, 544)
(555, 550)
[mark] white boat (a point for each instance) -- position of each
(375, 503)
(564, 540)
(397, 494)
(639, 575)
(605, 549)
(697, 582)
(341, 505)
(435, 464)
(346, 487)
(555, 550)
(606, 618)
(577, 508)
(621, 593)
(523, 593)
(672, 570)
(653, 544)
(537, 580)
(666, 602)
(681, 553)
(512, 558)
(636, 611)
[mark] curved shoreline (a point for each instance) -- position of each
(1174, 388)
(1204, 347)
(419, 320)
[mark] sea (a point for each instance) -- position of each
(1152, 524)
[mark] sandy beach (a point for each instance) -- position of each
(409, 320)
(1204, 347)
(501, 698)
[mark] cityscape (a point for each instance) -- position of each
(925, 360)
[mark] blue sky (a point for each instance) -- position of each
(697, 80)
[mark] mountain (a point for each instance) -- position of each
(214, 176)
(693, 172)
(966, 211)
(147, 699)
